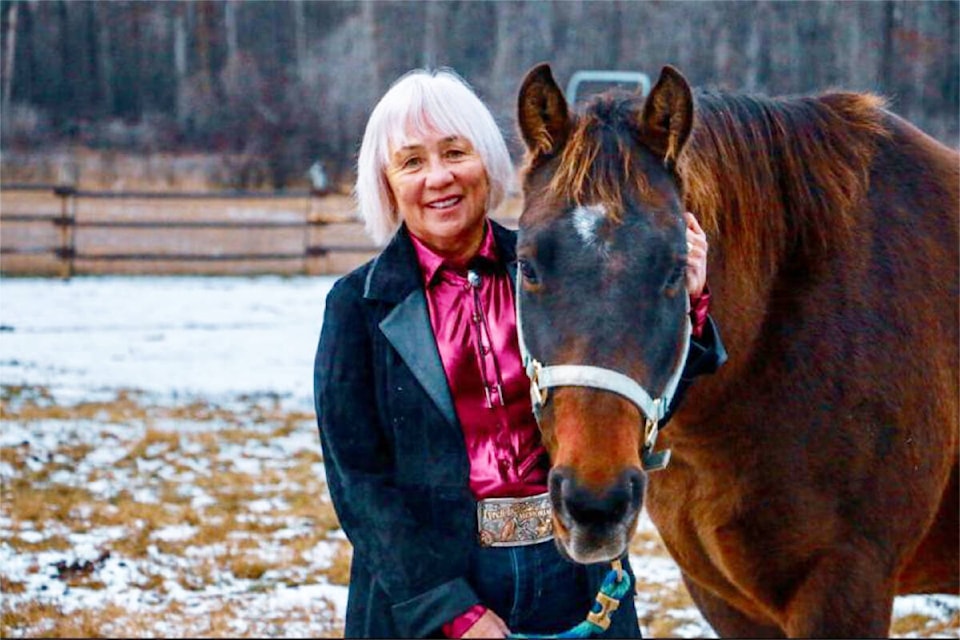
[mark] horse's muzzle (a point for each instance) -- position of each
(591, 524)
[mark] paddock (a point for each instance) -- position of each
(167, 421)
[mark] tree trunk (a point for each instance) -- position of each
(369, 18)
(203, 38)
(8, 68)
(886, 80)
(105, 61)
(230, 26)
(432, 30)
(300, 38)
(180, 60)
(65, 93)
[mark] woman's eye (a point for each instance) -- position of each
(529, 273)
(410, 163)
(455, 153)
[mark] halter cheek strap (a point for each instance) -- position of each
(543, 378)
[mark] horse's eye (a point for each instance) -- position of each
(529, 273)
(676, 278)
(679, 273)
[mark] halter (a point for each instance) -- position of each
(542, 378)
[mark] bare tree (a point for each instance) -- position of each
(226, 73)
(230, 27)
(432, 33)
(9, 53)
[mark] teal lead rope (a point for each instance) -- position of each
(616, 585)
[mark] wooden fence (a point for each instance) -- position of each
(64, 231)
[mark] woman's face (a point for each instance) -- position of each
(440, 188)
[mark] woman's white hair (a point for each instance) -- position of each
(423, 100)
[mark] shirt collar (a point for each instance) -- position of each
(432, 263)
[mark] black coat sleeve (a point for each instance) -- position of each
(706, 355)
(410, 562)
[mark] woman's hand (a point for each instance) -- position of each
(489, 625)
(696, 256)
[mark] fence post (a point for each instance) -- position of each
(67, 250)
(313, 259)
(306, 233)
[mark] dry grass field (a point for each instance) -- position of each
(121, 518)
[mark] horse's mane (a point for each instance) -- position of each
(770, 177)
(779, 177)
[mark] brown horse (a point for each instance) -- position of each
(814, 476)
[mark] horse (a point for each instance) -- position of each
(814, 476)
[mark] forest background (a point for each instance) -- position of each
(241, 94)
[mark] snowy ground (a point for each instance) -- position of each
(174, 338)
(162, 476)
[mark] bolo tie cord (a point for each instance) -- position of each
(482, 327)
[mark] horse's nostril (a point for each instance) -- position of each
(597, 506)
(558, 482)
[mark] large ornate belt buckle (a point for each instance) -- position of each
(511, 522)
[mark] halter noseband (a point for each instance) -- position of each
(542, 378)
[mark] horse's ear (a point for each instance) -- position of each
(667, 116)
(543, 118)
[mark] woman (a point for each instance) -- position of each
(422, 403)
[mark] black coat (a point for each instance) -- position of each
(394, 453)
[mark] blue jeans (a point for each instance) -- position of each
(536, 590)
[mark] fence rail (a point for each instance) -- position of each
(62, 230)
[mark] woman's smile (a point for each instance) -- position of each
(440, 188)
(445, 203)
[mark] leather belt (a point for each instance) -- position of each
(513, 522)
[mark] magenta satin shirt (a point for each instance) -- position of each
(474, 322)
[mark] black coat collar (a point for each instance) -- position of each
(394, 277)
(395, 273)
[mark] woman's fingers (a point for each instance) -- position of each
(489, 625)
(696, 237)
(697, 248)
(692, 222)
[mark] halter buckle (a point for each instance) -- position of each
(651, 427)
(652, 460)
(538, 394)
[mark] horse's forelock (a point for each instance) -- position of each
(596, 165)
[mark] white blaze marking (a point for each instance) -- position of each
(586, 219)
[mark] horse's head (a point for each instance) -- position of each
(602, 260)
